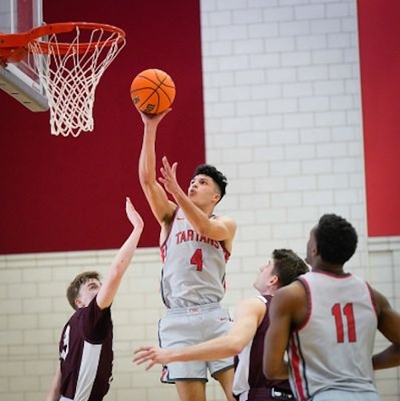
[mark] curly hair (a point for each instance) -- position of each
(288, 265)
(213, 173)
(75, 285)
(336, 239)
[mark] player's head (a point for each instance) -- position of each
(333, 239)
(219, 180)
(284, 267)
(288, 266)
(83, 288)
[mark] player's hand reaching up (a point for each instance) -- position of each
(168, 178)
(133, 215)
(153, 119)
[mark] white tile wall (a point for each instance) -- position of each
(283, 121)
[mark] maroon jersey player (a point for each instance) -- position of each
(86, 355)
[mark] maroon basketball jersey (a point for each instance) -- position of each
(250, 382)
(86, 354)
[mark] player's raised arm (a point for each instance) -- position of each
(122, 260)
(157, 198)
(221, 228)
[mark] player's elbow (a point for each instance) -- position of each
(145, 179)
(206, 229)
(147, 175)
(270, 369)
(269, 372)
(202, 228)
(235, 347)
(149, 187)
(274, 371)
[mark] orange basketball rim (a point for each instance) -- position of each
(81, 50)
(14, 46)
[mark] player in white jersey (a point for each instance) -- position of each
(195, 245)
(328, 320)
(245, 340)
(204, 283)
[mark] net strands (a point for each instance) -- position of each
(70, 77)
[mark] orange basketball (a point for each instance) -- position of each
(152, 91)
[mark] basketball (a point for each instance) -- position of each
(152, 91)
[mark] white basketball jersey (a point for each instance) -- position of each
(333, 349)
(193, 270)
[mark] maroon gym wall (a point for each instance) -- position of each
(62, 194)
(379, 33)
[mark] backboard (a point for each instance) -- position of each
(20, 80)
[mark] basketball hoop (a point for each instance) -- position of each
(70, 60)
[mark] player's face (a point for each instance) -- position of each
(87, 292)
(203, 190)
(266, 278)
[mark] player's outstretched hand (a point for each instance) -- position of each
(154, 119)
(168, 178)
(133, 215)
(146, 353)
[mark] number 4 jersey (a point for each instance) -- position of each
(193, 270)
(333, 349)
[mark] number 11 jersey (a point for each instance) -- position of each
(333, 349)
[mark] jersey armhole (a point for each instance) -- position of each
(373, 301)
(172, 222)
(306, 287)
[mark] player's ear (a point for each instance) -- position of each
(274, 280)
(79, 303)
(216, 197)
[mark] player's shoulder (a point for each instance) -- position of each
(381, 302)
(293, 292)
(227, 221)
(222, 217)
(292, 301)
(256, 302)
(253, 306)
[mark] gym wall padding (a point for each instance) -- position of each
(379, 32)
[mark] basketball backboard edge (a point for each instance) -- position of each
(19, 80)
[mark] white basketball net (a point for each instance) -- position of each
(70, 79)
